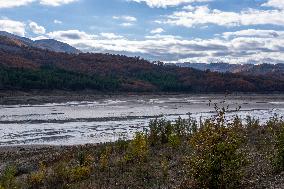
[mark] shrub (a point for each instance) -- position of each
(37, 179)
(252, 123)
(165, 168)
(162, 131)
(121, 145)
(279, 158)
(216, 160)
(84, 159)
(159, 132)
(8, 179)
(104, 158)
(138, 148)
(61, 173)
(274, 125)
(80, 173)
(185, 127)
(64, 174)
(81, 158)
(174, 140)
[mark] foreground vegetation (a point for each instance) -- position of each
(214, 153)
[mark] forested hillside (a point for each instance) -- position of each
(269, 70)
(24, 68)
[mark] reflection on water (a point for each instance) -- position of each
(110, 119)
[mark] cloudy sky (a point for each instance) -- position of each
(234, 31)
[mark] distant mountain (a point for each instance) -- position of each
(26, 67)
(57, 46)
(247, 69)
(24, 40)
(48, 44)
(275, 70)
(217, 67)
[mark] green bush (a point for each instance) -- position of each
(159, 132)
(37, 179)
(165, 168)
(174, 141)
(84, 159)
(185, 127)
(279, 158)
(8, 179)
(138, 148)
(162, 131)
(80, 173)
(104, 158)
(216, 160)
(252, 123)
(121, 145)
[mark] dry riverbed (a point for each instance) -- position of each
(84, 118)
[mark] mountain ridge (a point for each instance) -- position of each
(274, 70)
(47, 44)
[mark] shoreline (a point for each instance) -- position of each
(44, 97)
(76, 123)
(29, 147)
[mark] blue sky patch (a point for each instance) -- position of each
(235, 31)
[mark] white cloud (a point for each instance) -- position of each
(202, 15)
(36, 28)
(126, 24)
(157, 30)
(56, 3)
(39, 38)
(57, 21)
(274, 3)
(70, 35)
(12, 26)
(254, 59)
(18, 3)
(240, 47)
(111, 36)
(254, 33)
(125, 18)
(166, 3)
(188, 7)
(14, 3)
(163, 37)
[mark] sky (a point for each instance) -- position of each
(203, 31)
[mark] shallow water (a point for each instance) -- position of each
(110, 119)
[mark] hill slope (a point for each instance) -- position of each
(57, 46)
(271, 70)
(49, 44)
(25, 67)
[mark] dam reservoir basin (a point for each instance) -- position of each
(113, 118)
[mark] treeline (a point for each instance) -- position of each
(52, 78)
(31, 68)
(156, 80)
